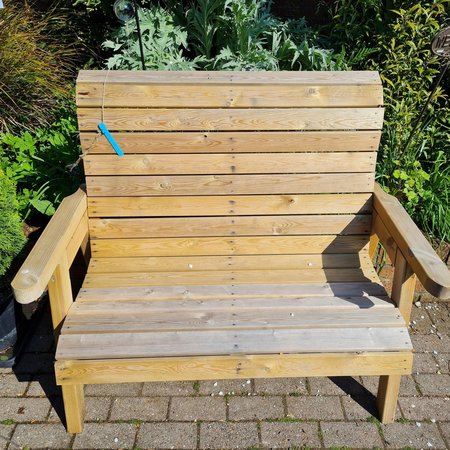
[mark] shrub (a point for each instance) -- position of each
(35, 61)
(12, 238)
(39, 162)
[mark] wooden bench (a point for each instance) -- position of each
(233, 239)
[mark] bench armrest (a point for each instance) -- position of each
(425, 263)
(61, 238)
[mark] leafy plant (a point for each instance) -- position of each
(35, 64)
(39, 163)
(12, 238)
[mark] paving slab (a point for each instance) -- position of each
(335, 386)
(97, 409)
(445, 431)
(11, 387)
(157, 389)
(106, 436)
(425, 363)
(43, 385)
(426, 408)
(40, 436)
(443, 360)
(250, 408)
(24, 409)
(225, 387)
(350, 434)
(5, 435)
(311, 407)
(167, 435)
(281, 386)
(197, 408)
(434, 384)
(407, 385)
(430, 343)
(361, 407)
(228, 435)
(289, 435)
(141, 408)
(415, 435)
(115, 390)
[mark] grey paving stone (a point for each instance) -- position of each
(11, 387)
(434, 384)
(216, 387)
(420, 321)
(361, 408)
(40, 436)
(443, 360)
(167, 435)
(106, 436)
(96, 409)
(142, 408)
(350, 434)
(228, 435)
(250, 408)
(197, 408)
(114, 390)
(24, 409)
(281, 386)
(335, 386)
(430, 343)
(288, 435)
(157, 389)
(407, 385)
(425, 363)
(313, 407)
(420, 408)
(32, 363)
(5, 435)
(439, 313)
(400, 435)
(445, 429)
(43, 385)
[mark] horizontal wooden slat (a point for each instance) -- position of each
(231, 119)
(230, 163)
(213, 277)
(239, 245)
(248, 262)
(107, 186)
(226, 95)
(231, 291)
(146, 318)
(229, 226)
(237, 366)
(234, 142)
(229, 205)
(141, 345)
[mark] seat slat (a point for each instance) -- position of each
(234, 291)
(145, 318)
(239, 245)
(166, 206)
(248, 262)
(152, 119)
(101, 228)
(116, 186)
(184, 343)
(212, 277)
(234, 142)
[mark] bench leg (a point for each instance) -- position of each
(387, 397)
(73, 396)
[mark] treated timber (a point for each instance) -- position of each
(229, 226)
(234, 291)
(129, 186)
(431, 271)
(165, 206)
(162, 119)
(232, 142)
(236, 366)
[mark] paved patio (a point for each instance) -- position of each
(283, 413)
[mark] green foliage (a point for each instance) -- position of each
(39, 162)
(415, 168)
(35, 64)
(12, 238)
(221, 35)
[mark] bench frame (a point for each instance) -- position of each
(48, 266)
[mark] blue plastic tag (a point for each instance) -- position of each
(102, 127)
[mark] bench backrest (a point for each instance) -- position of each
(229, 170)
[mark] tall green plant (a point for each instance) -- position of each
(12, 238)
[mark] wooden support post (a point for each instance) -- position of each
(403, 286)
(60, 292)
(73, 397)
(388, 389)
(374, 239)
